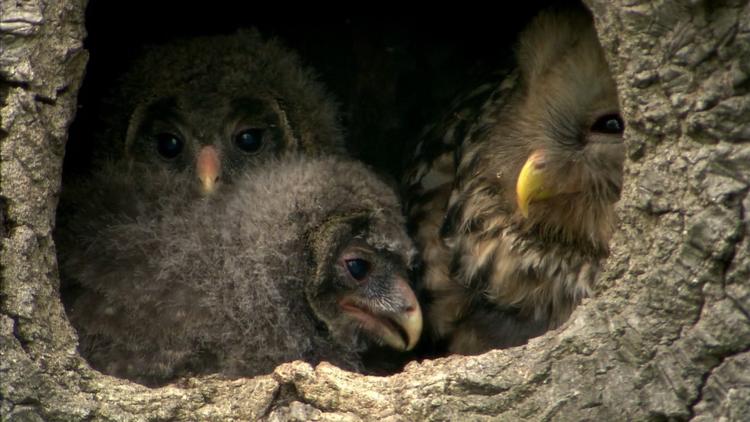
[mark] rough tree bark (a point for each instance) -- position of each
(667, 338)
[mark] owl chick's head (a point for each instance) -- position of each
(359, 252)
(214, 106)
(361, 284)
(346, 255)
(558, 157)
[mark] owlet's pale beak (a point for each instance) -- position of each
(208, 168)
(408, 321)
(399, 329)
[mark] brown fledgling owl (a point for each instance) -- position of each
(214, 106)
(511, 197)
(199, 112)
(302, 258)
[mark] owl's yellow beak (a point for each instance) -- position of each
(532, 184)
(208, 168)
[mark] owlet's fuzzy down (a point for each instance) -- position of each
(303, 258)
(512, 201)
(187, 119)
(174, 135)
(212, 107)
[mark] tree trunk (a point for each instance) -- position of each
(666, 338)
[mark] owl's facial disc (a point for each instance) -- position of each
(208, 168)
(398, 328)
(601, 147)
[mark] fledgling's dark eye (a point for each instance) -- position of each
(358, 268)
(609, 123)
(249, 140)
(169, 145)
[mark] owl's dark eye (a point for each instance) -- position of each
(249, 140)
(609, 123)
(169, 145)
(358, 268)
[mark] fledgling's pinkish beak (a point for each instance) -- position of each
(208, 168)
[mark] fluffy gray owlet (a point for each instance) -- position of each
(214, 106)
(511, 197)
(306, 258)
(186, 120)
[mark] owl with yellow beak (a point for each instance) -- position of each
(511, 197)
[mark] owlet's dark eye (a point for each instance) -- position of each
(358, 268)
(169, 145)
(610, 123)
(249, 140)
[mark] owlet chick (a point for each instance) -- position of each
(512, 201)
(214, 106)
(305, 258)
(190, 116)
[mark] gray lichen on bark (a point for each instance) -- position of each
(667, 337)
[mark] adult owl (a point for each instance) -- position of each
(511, 196)
(303, 258)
